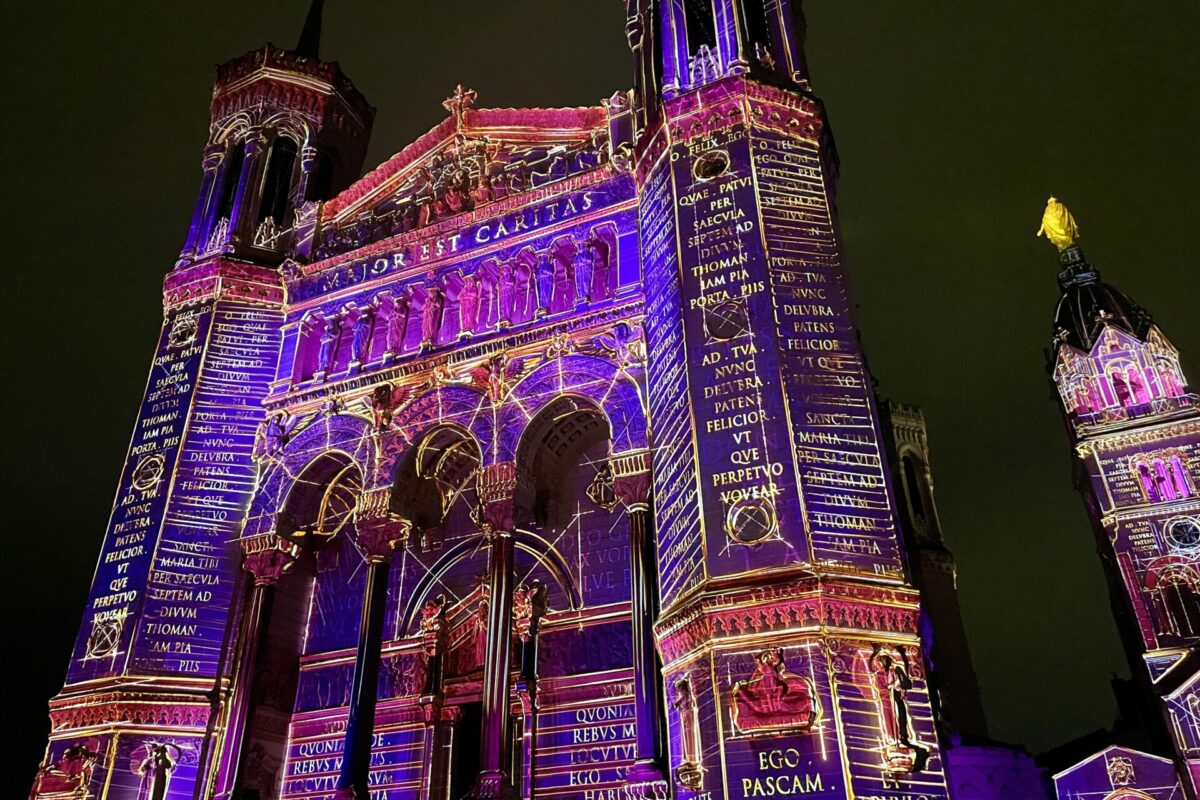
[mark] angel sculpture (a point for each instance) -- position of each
(1058, 225)
(495, 376)
(273, 434)
(625, 342)
(383, 402)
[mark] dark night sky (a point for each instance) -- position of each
(954, 120)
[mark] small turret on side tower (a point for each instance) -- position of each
(1135, 428)
(287, 129)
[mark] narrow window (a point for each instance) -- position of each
(1121, 388)
(701, 27)
(1182, 605)
(229, 181)
(1179, 475)
(277, 188)
(1162, 480)
(916, 503)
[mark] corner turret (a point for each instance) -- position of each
(287, 129)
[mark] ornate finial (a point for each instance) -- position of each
(458, 103)
(1058, 225)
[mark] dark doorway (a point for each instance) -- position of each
(464, 750)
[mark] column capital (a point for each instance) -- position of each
(497, 491)
(433, 626)
(214, 154)
(528, 606)
(378, 538)
(632, 480)
(267, 556)
(257, 140)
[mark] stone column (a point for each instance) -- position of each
(266, 557)
(497, 484)
(675, 46)
(378, 535)
(631, 483)
(249, 190)
(214, 155)
(307, 163)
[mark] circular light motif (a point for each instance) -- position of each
(148, 472)
(751, 520)
(1184, 532)
(710, 165)
(727, 320)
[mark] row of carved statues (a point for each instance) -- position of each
(497, 295)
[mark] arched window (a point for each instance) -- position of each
(1179, 477)
(916, 500)
(758, 30)
(1120, 387)
(231, 173)
(1181, 603)
(277, 188)
(701, 27)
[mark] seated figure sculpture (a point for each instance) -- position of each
(774, 699)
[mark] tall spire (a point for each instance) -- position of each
(310, 38)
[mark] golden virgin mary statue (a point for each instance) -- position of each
(1058, 225)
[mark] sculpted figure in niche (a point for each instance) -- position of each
(482, 191)
(689, 773)
(774, 699)
(544, 278)
(155, 770)
(600, 252)
(456, 195)
(431, 321)
(398, 322)
(562, 251)
(583, 277)
(892, 683)
(468, 306)
(506, 290)
(364, 327)
(330, 334)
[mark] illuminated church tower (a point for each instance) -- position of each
(789, 628)
(541, 460)
(1135, 429)
(148, 676)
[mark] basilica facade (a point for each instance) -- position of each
(540, 460)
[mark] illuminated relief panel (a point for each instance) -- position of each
(771, 346)
(119, 586)
(1145, 486)
(184, 488)
(676, 482)
(1119, 773)
(813, 718)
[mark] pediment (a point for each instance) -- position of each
(468, 159)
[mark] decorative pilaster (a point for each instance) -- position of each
(266, 557)
(379, 533)
(631, 484)
(497, 484)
